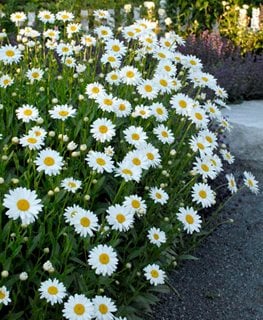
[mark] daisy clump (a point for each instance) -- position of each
(109, 154)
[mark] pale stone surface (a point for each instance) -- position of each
(246, 137)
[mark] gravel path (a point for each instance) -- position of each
(226, 283)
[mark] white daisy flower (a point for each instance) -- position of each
(231, 183)
(151, 153)
(216, 162)
(137, 159)
(163, 82)
(128, 172)
(227, 156)
(119, 218)
(71, 184)
(22, 203)
(88, 41)
(164, 134)
(85, 223)
(147, 89)
(53, 291)
(52, 34)
(142, 111)
(213, 111)
(78, 307)
(104, 32)
(159, 112)
(166, 67)
(199, 117)
(46, 16)
(100, 15)
(103, 259)
(99, 161)
(32, 142)
(62, 112)
(182, 104)
(113, 77)
(35, 74)
(71, 212)
(122, 108)
(64, 49)
(156, 236)
(4, 296)
(135, 204)
(190, 219)
(116, 46)
(73, 28)
(38, 132)
(106, 102)
(18, 17)
(220, 92)
(192, 62)
(112, 59)
(93, 90)
(6, 81)
(251, 182)
(49, 161)
(103, 130)
(205, 168)
(154, 274)
(104, 308)
(210, 137)
(69, 62)
(64, 16)
(130, 75)
(203, 194)
(27, 113)
(159, 195)
(201, 145)
(135, 135)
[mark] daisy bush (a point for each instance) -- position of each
(109, 148)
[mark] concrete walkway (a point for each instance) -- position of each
(226, 283)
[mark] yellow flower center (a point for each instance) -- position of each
(103, 129)
(167, 68)
(6, 82)
(161, 55)
(136, 161)
(65, 49)
(150, 156)
(114, 77)
(130, 33)
(154, 273)
(101, 161)
(127, 171)
(85, 222)
(198, 116)
(156, 236)
(47, 16)
(116, 48)
(95, 90)
(167, 43)
(120, 218)
(148, 88)
(72, 184)
(135, 136)
(23, 204)
(49, 161)
(250, 182)
(35, 75)
(2, 295)
(182, 104)
(212, 110)
(136, 204)
(205, 167)
(108, 102)
(130, 74)
(205, 79)
(193, 62)
(158, 195)
(32, 140)
(79, 309)
(163, 83)
(28, 112)
(104, 258)
(189, 219)
(164, 134)
(159, 111)
(122, 107)
(202, 194)
(9, 53)
(73, 28)
(63, 113)
(111, 59)
(103, 308)
(65, 16)
(209, 139)
(200, 146)
(104, 32)
(52, 290)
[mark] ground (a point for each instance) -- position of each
(226, 282)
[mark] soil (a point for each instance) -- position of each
(226, 282)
